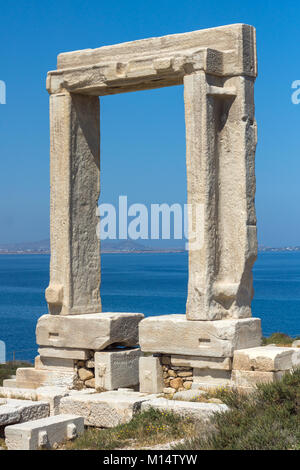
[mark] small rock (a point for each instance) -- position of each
(188, 395)
(187, 385)
(217, 401)
(176, 383)
(169, 391)
(85, 374)
(185, 374)
(90, 364)
(172, 373)
(90, 383)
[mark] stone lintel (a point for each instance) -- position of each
(148, 73)
(239, 38)
(174, 334)
(156, 62)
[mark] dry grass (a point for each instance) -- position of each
(280, 339)
(2, 443)
(9, 368)
(267, 419)
(146, 429)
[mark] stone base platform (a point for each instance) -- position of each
(85, 351)
(105, 370)
(181, 354)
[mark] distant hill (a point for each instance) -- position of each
(110, 246)
(41, 246)
(270, 249)
(107, 246)
(122, 246)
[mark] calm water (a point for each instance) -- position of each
(153, 284)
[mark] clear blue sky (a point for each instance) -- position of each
(143, 144)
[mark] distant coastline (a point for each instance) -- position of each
(123, 246)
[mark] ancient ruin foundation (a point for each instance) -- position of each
(78, 343)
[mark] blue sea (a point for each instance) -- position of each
(154, 284)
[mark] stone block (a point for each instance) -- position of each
(20, 411)
(92, 331)
(106, 409)
(117, 368)
(43, 433)
(84, 391)
(53, 396)
(174, 334)
(53, 363)
(211, 377)
(246, 378)
(9, 383)
(268, 359)
(18, 393)
(219, 363)
(196, 411)
(151, 375)
(33, 378)
(64, 353)
(189, 395)
(156, 62)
